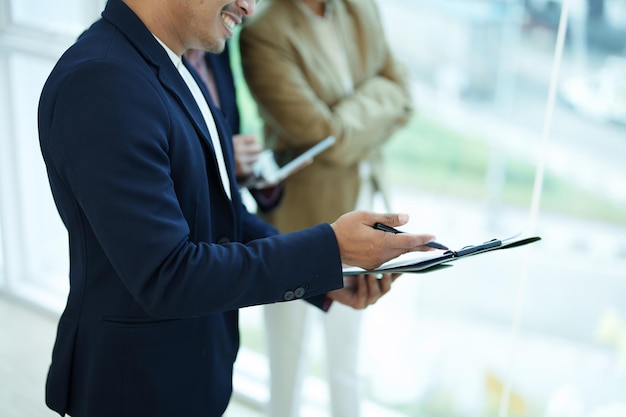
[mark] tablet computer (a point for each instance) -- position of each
(274, 166)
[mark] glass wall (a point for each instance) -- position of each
(514, 132)
(33, 260)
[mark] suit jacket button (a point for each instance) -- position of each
(223, 240)
(288, 296)
(299, 292)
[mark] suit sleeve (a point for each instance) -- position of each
(107, 146)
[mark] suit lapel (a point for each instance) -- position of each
(224, 135)
(171, 79)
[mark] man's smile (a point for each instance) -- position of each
(229, 21)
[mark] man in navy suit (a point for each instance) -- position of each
(162, 251)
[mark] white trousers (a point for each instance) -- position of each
(288, 327)
(289, 340)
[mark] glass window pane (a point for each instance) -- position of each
(465, 167)
(44, 239)
(66, 16)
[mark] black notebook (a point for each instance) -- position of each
(430, 261)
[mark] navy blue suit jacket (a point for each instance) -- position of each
(160, 257)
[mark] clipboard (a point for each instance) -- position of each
(420, 262)
(273, 167)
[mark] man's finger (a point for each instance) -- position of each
(392, 219)
(385, 283)
(373, 289)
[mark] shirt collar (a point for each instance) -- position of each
(176, 60)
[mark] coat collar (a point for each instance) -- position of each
(346, 28)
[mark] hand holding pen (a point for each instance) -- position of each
(361, 245)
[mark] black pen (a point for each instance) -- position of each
(385, 228)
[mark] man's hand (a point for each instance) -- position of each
(247, 150)
(363, 246)
(360, 291)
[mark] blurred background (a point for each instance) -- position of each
(513, 133)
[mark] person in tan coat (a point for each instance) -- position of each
(318, 68)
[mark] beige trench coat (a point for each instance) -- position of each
(302, 100)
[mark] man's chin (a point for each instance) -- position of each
(216, 47)
(216, 51)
